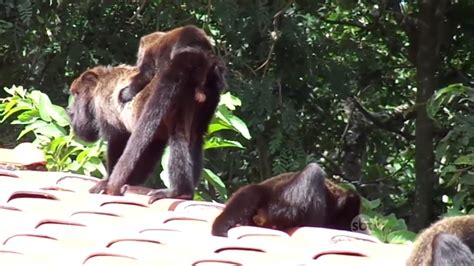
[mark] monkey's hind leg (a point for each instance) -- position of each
(180, 168)
(241, 209)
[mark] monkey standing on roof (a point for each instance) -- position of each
(184, 79)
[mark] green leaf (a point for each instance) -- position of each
(465, 159)
(237, 124)
(45, 107)
(12, 111)
(229, 101)
(217, 142)
(218, 125)
(442, 96)
(378, 233)
(371, 204)
(59, 115)
(467, 179)
(216, 182)
(164, 175)
(401, 237)
(28, 116)
(51, 130)
(35, 125)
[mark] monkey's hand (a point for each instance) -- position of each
(136, 85)
(166, 193)
(126, 94)
(99, 188)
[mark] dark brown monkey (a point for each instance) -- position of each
(449, 241)
(165, 112)
(304, 198)
(156, 50)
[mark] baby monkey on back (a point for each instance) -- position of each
(304, 198)
(156, 50)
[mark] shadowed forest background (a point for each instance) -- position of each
(379, 92)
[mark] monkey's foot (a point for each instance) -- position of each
(99, 188)
(136, 190)
(166, 193)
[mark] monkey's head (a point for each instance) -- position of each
(148, 41)
(82, 114)
(95, 92)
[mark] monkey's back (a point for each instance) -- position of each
(460, 226)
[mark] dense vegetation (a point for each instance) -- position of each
(377, 91)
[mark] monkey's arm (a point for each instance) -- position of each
(240, 209)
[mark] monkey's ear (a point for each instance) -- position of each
(90, 77)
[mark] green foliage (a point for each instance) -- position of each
(50, 126)
(387, 228)
(294, 64)
(453, 108)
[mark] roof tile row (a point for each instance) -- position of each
(49, 218)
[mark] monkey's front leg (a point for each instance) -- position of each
(116, 144)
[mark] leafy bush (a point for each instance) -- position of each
(50, 126)
(453, 109)
(387, 228)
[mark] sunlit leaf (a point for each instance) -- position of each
(35, 125)
(229, 101)
(43, 103)
(216, 182)
(218, 125)
(164, 175)
(59, 115)
(401, 237)
(465, 159)
(217, 142)
(234, 121)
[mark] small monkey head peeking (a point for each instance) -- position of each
(304, 198)
(169, 100)
(450, 241)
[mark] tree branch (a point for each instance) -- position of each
(343, 22)
(388, 123)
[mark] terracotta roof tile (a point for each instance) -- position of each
(49, 218)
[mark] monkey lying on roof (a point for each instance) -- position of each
(304, 198)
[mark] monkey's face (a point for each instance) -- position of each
(82, 115)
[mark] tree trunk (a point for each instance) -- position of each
(427, 61)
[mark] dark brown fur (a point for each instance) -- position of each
(157, 49)
(304, 198)
(449, 241)
(165, 112)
